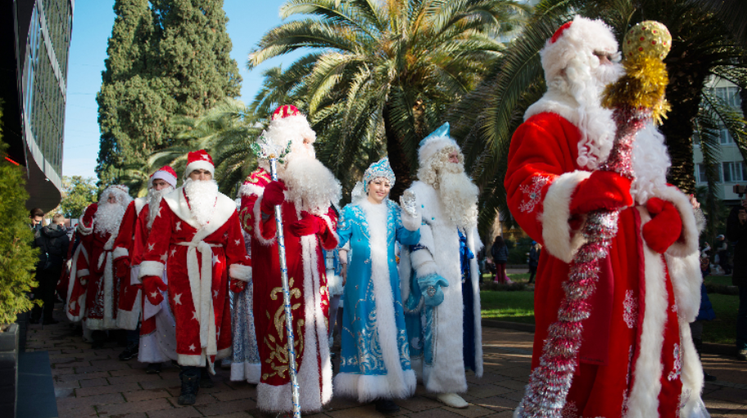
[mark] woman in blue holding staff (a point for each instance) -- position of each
(375, 363)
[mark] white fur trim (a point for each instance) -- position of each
(331, 228)
(140, 203)
(692, 376)
(240, 272)
(686, 280)
(199, 164)
(75, 274)
(258, 223)
(83, 273)
(411, 223)
(248, 189)
(165, 176)
(129, 319)
(120, 252)
(422, 261)
(366, 388)
(224, 209)
(475, 244)
(644, 395)
(556, 231)
(108, 321)
(151, 268)
(432, 146)
(251, 372)
(85, 230)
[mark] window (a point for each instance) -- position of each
(730, 95)
(728, 168)
(724, 137)
(700, 174)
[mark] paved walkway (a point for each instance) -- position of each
(90, 383)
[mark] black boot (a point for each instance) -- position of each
(130, 352)
(386, 406)
(153, 368)
(206, 381)
(190, 377)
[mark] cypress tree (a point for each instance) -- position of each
(166, 58)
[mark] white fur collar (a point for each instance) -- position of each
(140, 202)
(224, 208)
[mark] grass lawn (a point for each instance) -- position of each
(722, 280)
(519, 307)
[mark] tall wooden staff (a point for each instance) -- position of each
(637, 98)
(264, 149)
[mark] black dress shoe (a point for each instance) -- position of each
(153, 368)
(129, 353)
(386, 406)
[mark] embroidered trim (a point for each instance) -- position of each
(677, 366)
(532, 193)
(630, 309)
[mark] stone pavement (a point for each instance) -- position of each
(91, 383)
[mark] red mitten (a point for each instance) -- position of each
(272, 196)
(121, 268)
(237, 286)
(153, 286)
(307, 225)
(665, 226)
(602, 190)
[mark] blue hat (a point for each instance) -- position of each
(436, 141)
(378, 169)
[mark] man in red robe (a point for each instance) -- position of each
(637, 357)
(133, 233)
(94, 296)
(305, 191)
(196, 238)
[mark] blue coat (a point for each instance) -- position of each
(375, 359)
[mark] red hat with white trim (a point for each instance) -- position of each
(199, 160)
(165, 173)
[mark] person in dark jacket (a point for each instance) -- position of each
(736, 231)
(54, 242)
(534, 257)
(499, 252)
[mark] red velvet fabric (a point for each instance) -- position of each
(665, 226)
(602, 190)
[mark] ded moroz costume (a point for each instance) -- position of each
(636, 358)
(375, 361)
(305, 190)
(196, 238)
(440, 275)
(94, 293)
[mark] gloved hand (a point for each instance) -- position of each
(121, 268)
(153, 286)
(602, 190)
(272, 196)
(431, 286)
(308, 225)
(665, 226)
(237, 286)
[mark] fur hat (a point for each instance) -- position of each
(436, 141)
(120, 192)
(376, 170)
(289, 125)
(199, 160)
(576, 40)
(165, 173)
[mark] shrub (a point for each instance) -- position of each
(517, 251)
(17, 258)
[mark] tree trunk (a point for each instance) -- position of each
(397, 158)
(683, 92)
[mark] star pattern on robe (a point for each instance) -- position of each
(237, 241)
(173, 251)
(165, 257)
(154, 294)
(194, 316)
(178, 299)
(216, 260)
(246, 257)
(215, 293)
(192, 347)
(159, 212)
(178, 226)
(150, 247)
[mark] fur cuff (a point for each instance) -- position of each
(240, 272)
(151, 268)
(556, 230)
(411, 223)
(83, 273)
(366, 388)
(120, 252)
(251, 372)
(248, 189)
(422, 263)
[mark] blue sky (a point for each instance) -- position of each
(92, 26)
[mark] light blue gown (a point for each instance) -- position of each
(375, 361)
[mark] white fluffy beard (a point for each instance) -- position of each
(202, 196)
(650, 161)
(458, 195)
(586, 83)
(108, 218)
(154, 202)
(311, 186)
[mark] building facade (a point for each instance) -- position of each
(35, 42)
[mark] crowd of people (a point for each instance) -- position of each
(196, 277)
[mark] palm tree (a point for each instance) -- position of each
(386, 71)
(703, 46)
(226, 131)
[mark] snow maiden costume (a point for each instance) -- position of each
(440, 276)
(245, 364)
(305, 190)
(375, 362)
(636, 358)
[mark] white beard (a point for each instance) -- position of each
(311, 186)
(202, 196)
(458, 195)
(650, 161)
(154, 202)
(108, 218)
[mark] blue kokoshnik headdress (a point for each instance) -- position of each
(378, 169)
